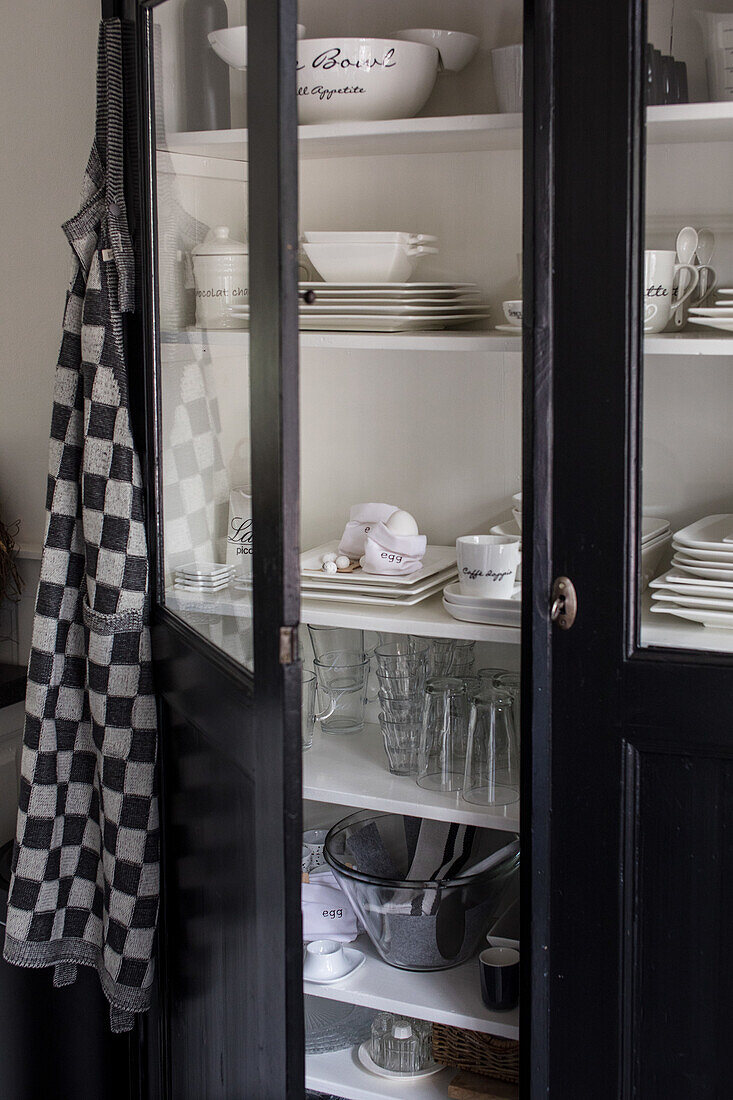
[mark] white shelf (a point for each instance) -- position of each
(686, 122)
(689, 342)
(440, 340)
(693, 341)
(352, 771)
(679, 123)
(443, 996)
(342, 1074)
(446, 134)
(427, 618)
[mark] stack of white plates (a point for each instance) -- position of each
(718, 316)
(699, 586)
(483, 609)
(655, 535)
(387, 307)
(439, 566)
(203, 576)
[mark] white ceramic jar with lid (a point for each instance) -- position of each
(221, 274)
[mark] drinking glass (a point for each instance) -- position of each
(309, 713)
(440, 656)
(442, 752)
(334, 639)
(492, 758)
(342, 680)
(400, 710)
(511, 683)
(462, 664)
(401, 739)
(487, 677)
(402, 658)
(402, 685)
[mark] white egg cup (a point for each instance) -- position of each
(329, 961)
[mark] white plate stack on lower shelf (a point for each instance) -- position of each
(439, 566)
(386, 307)
(699, 586)
(204, 576)
(719, 316)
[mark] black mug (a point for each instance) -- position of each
(499, 968)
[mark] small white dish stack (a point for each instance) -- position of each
(203, 576)
(404, 590)
(483, 609)
(719, 316)
(377, 306)
(699, 586)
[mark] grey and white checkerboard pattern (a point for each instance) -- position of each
(86, 865)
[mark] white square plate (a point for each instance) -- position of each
(700, 602)
(309, 586)
(507, 616)
(708, 533)
(452, 594)
(722, 558)
(437, 559)
(204, 569)
(677, 581)
(381, 601)
(706, 618)
(707, 570)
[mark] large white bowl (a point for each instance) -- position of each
(349, 237)
(365, 263)
(456, 48)
(230, 44)
(352, 79)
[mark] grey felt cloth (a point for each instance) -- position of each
(85, 880)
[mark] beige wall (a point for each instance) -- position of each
(47, 89)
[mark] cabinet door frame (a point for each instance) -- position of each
(602, 717)
(264, 707)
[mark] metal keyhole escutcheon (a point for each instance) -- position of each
(564, 606)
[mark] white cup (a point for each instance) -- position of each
(513, 312)
(507, 63)
(660, 274)
(325, 960)
(487, 564)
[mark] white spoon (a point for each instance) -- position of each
(705, 249)
(687, 241)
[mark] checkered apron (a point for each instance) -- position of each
(86, 864)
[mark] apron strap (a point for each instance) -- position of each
(110, 145)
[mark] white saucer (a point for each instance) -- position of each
(358, 958)
(368, 1063)
(452, 594)
(516, 330)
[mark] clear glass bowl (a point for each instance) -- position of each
(418, 924)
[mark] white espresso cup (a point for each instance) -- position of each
(487, 564)
(660, 274)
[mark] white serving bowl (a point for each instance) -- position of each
(230, 44)
(349, 237)
(365, 263)
(456, 48)
(353, 79)
(513, 312)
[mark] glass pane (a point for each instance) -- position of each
(687, 484)
(201, 180)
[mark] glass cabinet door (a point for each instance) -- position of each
(686, 494)
(202, 292)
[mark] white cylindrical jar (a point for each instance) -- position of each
(221, 274)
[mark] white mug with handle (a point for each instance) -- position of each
(660, 274)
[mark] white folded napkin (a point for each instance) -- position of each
(385, 552)
(362, 518)
(327, 913)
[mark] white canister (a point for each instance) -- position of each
(239, 535)
(221, 274)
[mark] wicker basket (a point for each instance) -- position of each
(476, 1052)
